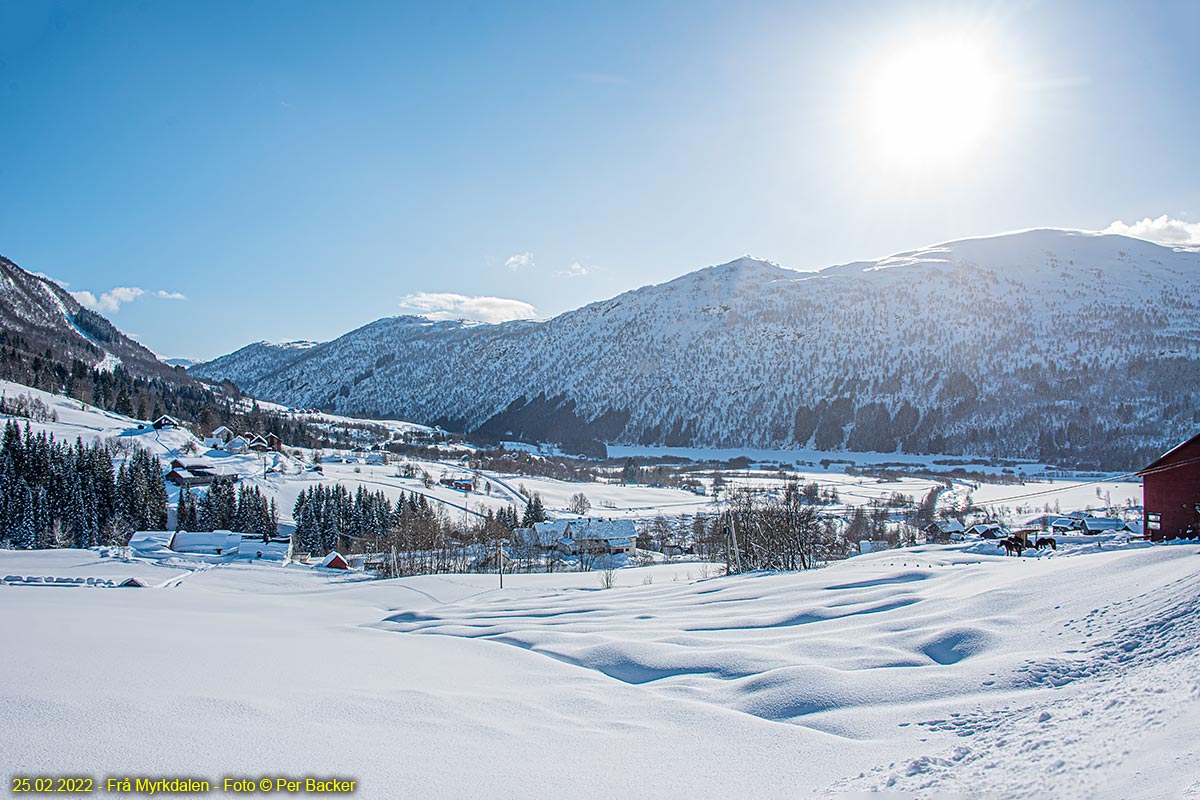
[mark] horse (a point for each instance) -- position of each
(1012, 546)
(1046, 541)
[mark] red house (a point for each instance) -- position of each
(1171, 493)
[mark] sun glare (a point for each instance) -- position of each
(932, 103)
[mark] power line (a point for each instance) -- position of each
(1109, 479)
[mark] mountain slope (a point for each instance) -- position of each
(1050, 344)
(39, 317)
(259, 359)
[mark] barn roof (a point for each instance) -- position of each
(1161, 460)
(334, 558)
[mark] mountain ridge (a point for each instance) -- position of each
(1043, 343)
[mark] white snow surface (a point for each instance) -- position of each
(931, 672)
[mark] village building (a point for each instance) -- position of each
(206, 543)
(219, 437)
(236, 446)
(1062, 525)
(1094, 525)
(986, 530)
(165, 421)
(1171, 493)
(188, 478)
(582, 536)
(462, 484)
(942, 531)
(334, 560)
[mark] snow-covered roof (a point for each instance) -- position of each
(1102, 524)
(593, 528)
(206, 542)
(331, 558)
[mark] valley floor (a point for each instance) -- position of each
(929, 672)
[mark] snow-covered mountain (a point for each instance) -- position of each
(1051, 344)
(259, 358)
(38, 318)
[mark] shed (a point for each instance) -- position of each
(1171, 493)
(132, 583)
(334, 560)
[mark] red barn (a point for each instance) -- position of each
(1171, 493)
(335, 561)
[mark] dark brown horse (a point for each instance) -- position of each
(1012, 546)
(1046, 541)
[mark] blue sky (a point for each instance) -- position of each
(295, 170)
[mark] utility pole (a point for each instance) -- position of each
(737, 556)
(500, 560)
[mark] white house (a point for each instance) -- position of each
(236, 446)
(588, 535)
(219, 438)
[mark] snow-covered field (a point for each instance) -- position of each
(928, 672)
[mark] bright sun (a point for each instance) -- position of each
(931, 103)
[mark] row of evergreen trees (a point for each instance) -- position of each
(333, 518)
(330, 517)
(227, 507)
(54, 494)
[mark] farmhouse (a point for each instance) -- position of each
(942, 531)
(165, 422)
(236, 446)
(986, 530)
(1065, 525)
(220, 436)
(187, 477)
(1171, 493)
(576, 536)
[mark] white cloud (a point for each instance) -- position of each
(165, 295)
(519, 261)
(446, 305)
(576, 270)
(1164, 230)
(109, 302)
